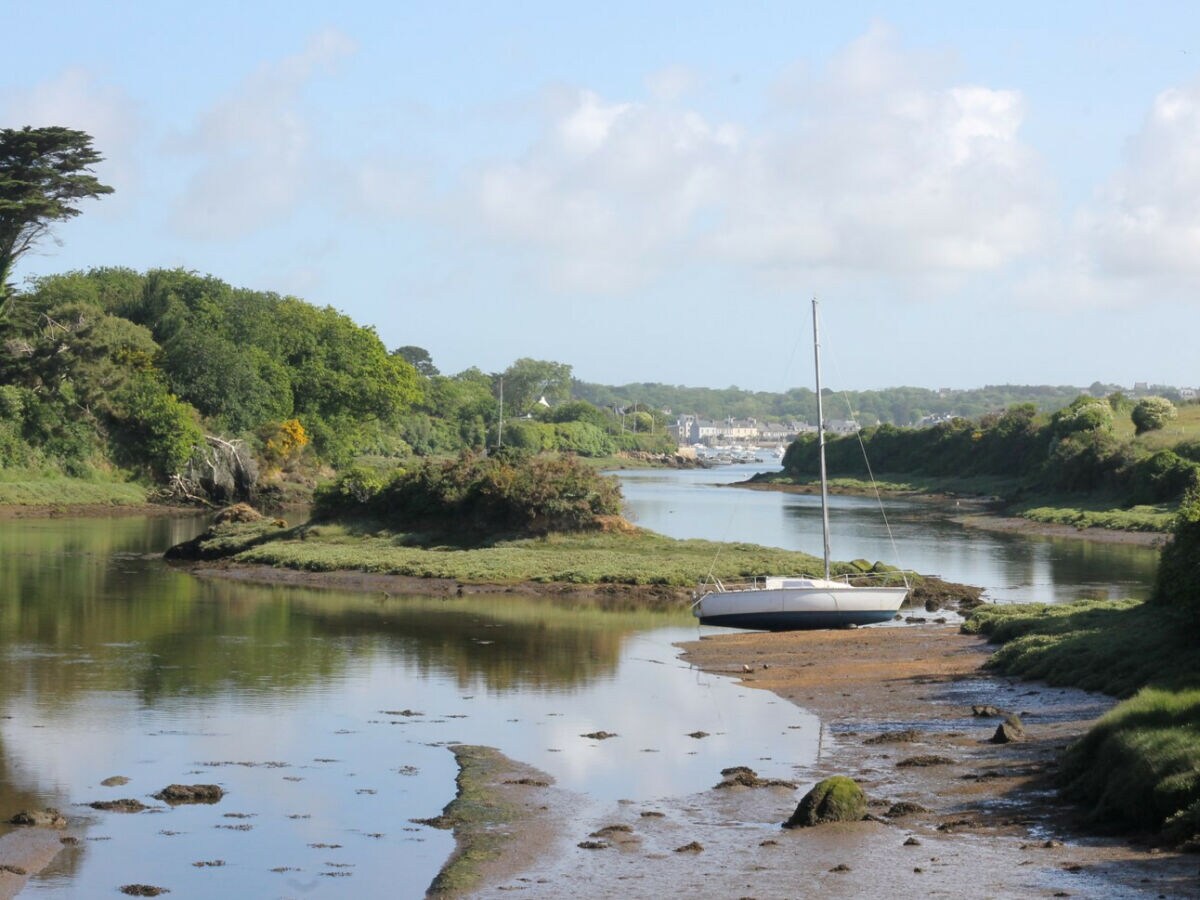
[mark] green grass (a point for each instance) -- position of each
(637, 558)
(1139, 766)
(633, 558)
(19, 489)
(1136, 518)
(902, 483)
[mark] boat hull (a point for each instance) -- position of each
(793, 609)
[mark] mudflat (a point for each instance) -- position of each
(909, 714)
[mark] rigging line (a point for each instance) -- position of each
(845, 395)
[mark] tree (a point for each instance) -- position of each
(1152, 413)
(528, 380)
(43, 174)
(418, 358)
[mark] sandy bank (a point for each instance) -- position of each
(25, 852)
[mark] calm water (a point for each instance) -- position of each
(1013, 568)
(323, 714)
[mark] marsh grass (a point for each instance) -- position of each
(633, 557)
(1100, 513)
(1139, 766)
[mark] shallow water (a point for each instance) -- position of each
(324, 715)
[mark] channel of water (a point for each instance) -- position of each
(325, 715)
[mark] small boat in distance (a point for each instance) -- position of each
(777, 603)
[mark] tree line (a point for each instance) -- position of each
(1076, 449)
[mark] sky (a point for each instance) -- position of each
(655, 191)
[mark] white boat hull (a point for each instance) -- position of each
(799, 605)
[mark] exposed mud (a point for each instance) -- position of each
(977, 820)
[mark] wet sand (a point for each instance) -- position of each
(25, 852)
(991, 825)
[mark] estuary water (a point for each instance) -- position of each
(325, 715)
(698, 503)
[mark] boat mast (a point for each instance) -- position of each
(821, 440)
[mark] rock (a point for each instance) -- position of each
(176, 794)
(912, 842)
(1010, 731)
(592, 845)
(698, 734)
(115, 781)
(840, 867)
(982, 711)
(933, 604)
(904, 808)
(124, 805)
(916, 620)
(924, 760)
(693, 847)
(836, 799)
(40, 818)
(904, 736)
(742, 776)
(599, 735)
(143, 890)
(239, 512)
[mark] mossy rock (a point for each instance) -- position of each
(836, 799)
(860, 565)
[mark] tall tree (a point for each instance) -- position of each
(44, 173)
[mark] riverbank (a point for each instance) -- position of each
(951, 812)
(73, 497)
(1147, 526)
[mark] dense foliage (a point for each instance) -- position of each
(112, 367)
(1152, 413)
(1072, 450)
(1177, 582)
(476, 495)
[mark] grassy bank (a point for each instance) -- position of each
(630, 556)
(17, 489)
(1093, 511)
(1139, 766)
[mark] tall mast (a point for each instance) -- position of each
(821, 440)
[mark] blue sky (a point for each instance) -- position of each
(652, 192)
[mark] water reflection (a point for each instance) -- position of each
(1012, 567)
(324, 714)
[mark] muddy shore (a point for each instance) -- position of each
(896, 710)
(94, 510)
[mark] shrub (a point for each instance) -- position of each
(479, 495)
(1162, 476)
(1177, 582)
(1152, 413)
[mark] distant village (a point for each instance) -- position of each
(693, 431)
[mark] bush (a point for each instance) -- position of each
(479, 495)
(1152, 413)
(1161, 477)
(1177, 582)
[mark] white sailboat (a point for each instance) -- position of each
(778, 603)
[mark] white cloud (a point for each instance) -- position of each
(609, 190)
(869, 168)
(1145, 222)
(255, 149)
(75, 98)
